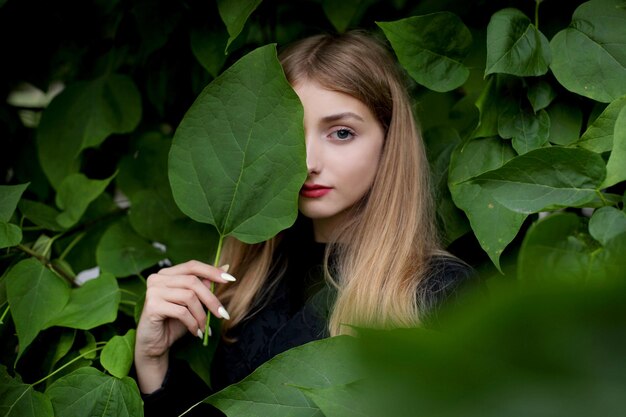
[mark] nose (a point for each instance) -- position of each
(313, 157)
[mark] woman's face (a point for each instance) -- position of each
(343, 146)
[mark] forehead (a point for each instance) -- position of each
(320, 102)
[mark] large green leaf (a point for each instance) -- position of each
(35, 294)
(546, 178)
(21, 400)
(9, 197)
(616, 166)
(91, 305)
(589, 56)
(559, 248)
(431, 48)
(235, 13)
(83, 116)
(340, 400)
(123, 252)
(599, 135)
(89, 392)
(515, 46)
(607, 223)
(494, 225)
(117, 355)
(238, 158)
(76, 192)
(271, 389)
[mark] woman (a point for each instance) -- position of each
(364, 250)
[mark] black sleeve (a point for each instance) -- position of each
(447, 281)
(181, 389)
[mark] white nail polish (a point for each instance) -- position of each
(200, 334)
(223, 313)
(228, 277)
(225, 267)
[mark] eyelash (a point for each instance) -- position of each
(335, 131)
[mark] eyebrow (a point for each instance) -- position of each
(340, 116)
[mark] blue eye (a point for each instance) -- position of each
(342, 134)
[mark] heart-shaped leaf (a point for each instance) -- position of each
(431, 48)
(515, 46)
(238, 159)
(589, 57)
(235, 13)
(117, 355)
(89, 392)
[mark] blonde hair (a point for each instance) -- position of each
(385, 247)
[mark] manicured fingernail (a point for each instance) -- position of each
(225, 267)
(228, 277)
(223, 313)
(200, 334)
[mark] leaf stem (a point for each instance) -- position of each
(47, 263)
(537, 3)
(218, 254)
(73, 243)
(82, 355)
(6, 310)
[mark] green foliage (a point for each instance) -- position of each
(149, 131)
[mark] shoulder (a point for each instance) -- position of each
(446, 278)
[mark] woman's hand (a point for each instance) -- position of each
(175, 301)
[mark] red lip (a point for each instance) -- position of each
(314, 190)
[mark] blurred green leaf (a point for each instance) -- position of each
(83, 116)
(235, 13)
(91, 305)
(528, 184)
(40, 214)
(208, 48)
(599, 135)
(344, 13)
(75, 193)
(35, 294)
(21, 400)
(10, 235)
(616, 166)
(123, 252)
(483, 211)
(607, 223)
(87, 391)
(515, 46)
(241, 169)
(540, 94)
(9, 197)
(431, 48)
(566, 120)
(117, 355)
(527, 130)
(589, 57)
(440, 143)
(339, 400)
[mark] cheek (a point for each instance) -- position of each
(359, 170)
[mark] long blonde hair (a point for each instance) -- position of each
(386, 245)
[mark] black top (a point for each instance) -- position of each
(295, 313)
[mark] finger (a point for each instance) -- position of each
(199, 269)
(156, 309)
(193, 283)
(186, 298)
